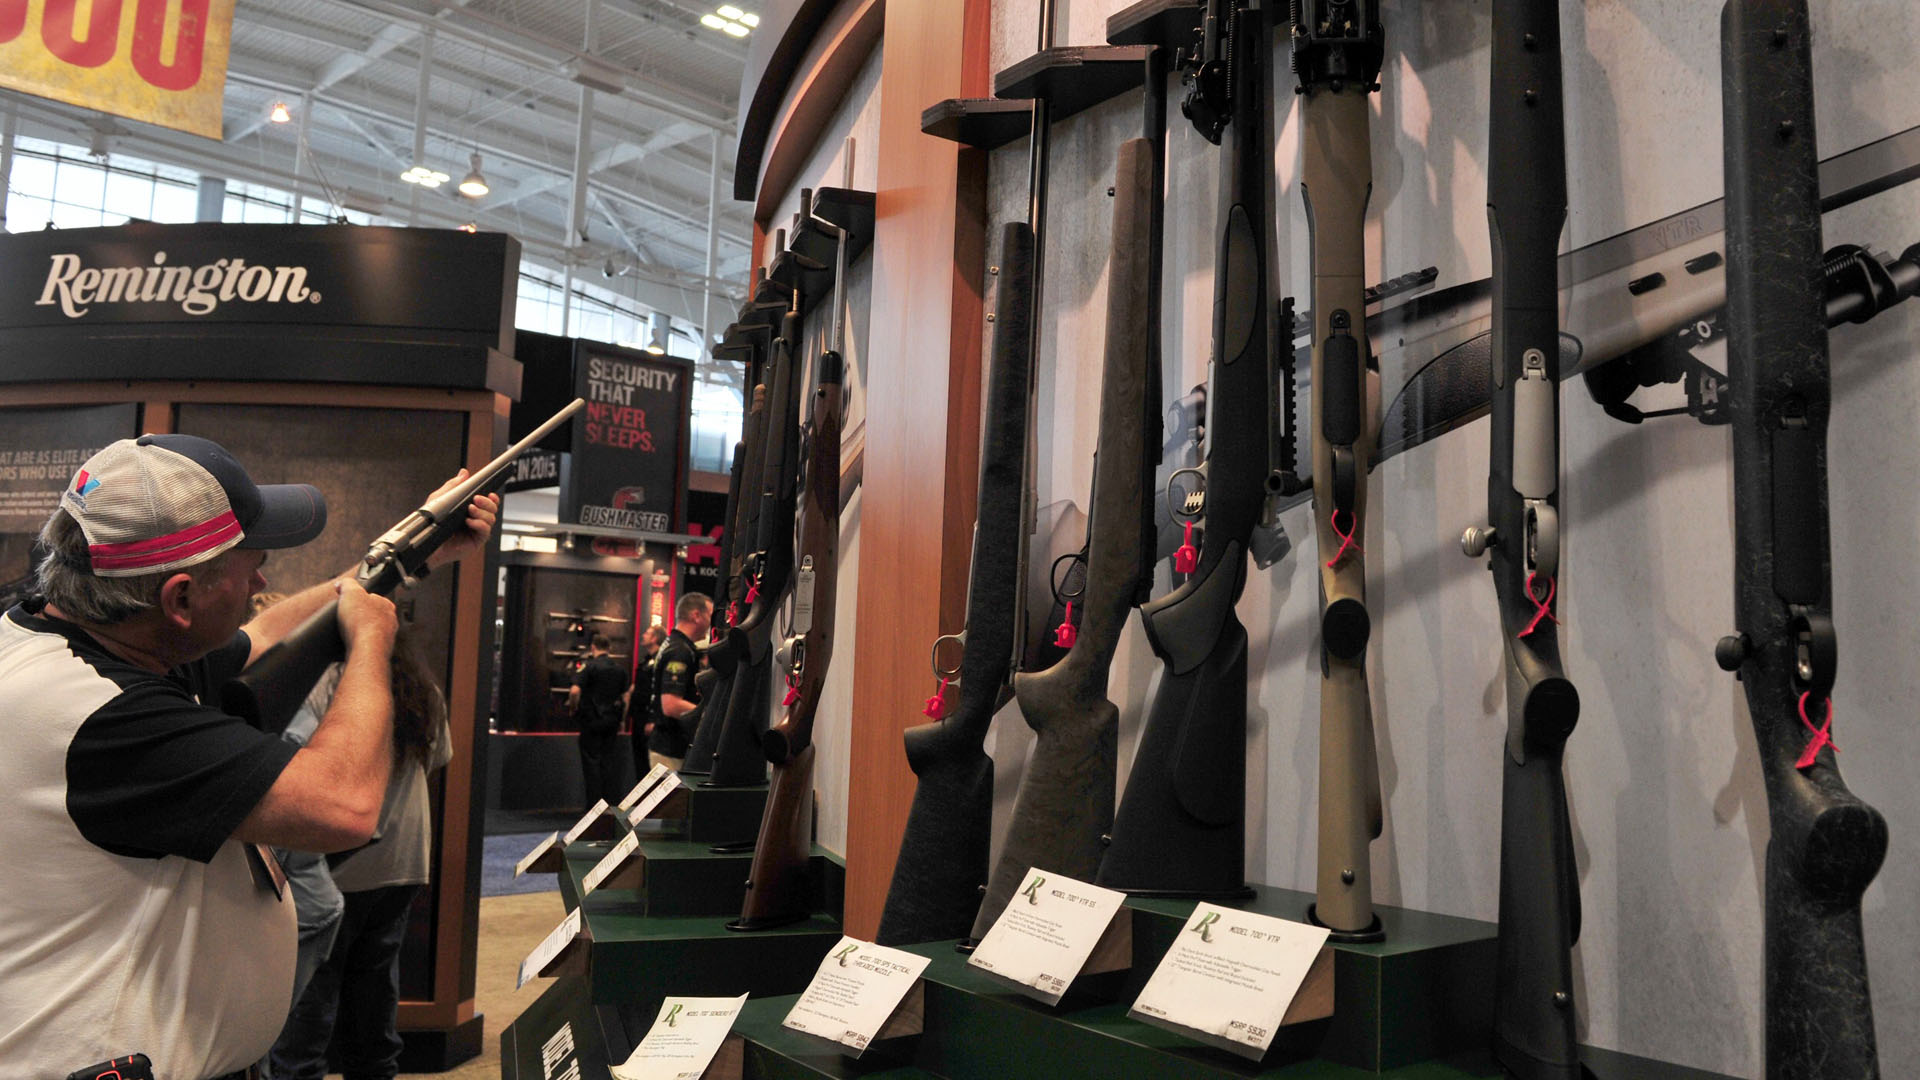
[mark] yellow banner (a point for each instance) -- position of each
(161, 61)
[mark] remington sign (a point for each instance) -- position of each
(199, 290)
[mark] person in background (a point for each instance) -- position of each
(637, 705)
(595, 700)
(673, 671)
(354, 996)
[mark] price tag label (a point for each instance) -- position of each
(550, 947)
(586, 821)
(683, 1039)
(653, 777)
(1049, 928)
(520, 868)
(654, 798)
(610, 862)
(1229, 977)
(858, 986)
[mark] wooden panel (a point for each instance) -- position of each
(923, 424)
(820, 89)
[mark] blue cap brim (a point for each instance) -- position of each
(290, 515)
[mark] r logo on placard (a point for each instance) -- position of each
(1202, 927)
(844, 953)
(1031, 892)
(673, 1015)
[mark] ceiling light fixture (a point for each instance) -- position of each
(425, 177)
(730, 20)
(474, 185)
(279, 114)
(471, 227)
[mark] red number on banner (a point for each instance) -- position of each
(59, 21)
(13, 19)
(149, 24)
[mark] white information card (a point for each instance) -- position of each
(610, 862)
(539, 849)
(683, 1039)
(654, 798)
(858, 986)
(1049, 928)
(586, 821)
(550, 947)
(1229, 977)
(653, 777)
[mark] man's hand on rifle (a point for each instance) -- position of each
(366, 620)
(482, 512)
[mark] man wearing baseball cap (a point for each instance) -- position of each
(139, 916)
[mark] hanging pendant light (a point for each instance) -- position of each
(279, 114)
(474, 185)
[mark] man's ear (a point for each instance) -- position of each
(176, 602)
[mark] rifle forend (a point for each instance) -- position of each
(270, 690)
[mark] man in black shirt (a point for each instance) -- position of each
(594, 700)
(674, 697)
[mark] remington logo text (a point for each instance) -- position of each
(197, 289)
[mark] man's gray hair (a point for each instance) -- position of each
(67, 580)
(691, 602)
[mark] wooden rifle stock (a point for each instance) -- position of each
(737, 757)
(272, 688)
(1336, 62)
(778, 886)
(942, 864)
(1825, 845)
(1533, 1029)
(1181, 826)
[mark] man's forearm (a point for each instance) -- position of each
(356, 734)
(267, 628)
(675, 706)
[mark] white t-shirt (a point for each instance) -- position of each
(131, 921)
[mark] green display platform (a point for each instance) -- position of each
(680, 877)
(722, 815)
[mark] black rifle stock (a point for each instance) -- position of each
(737, 758)
(1825, 844)
(723, 654)
(1533, 1030)
(271, 689)
(942, 865)
(778, 887)
(1336, 56)
(1064, 808)
(1181, 826)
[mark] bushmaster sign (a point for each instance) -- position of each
(161, 61)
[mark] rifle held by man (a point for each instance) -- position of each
(272, 688)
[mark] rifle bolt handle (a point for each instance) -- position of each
(1477, 539)
(1562, 999)
(1346, 877)
(1732, 651)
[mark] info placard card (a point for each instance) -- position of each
(609, 863)
(586, 821)
(653, 777)
(683, 1039)
(858, 986)
(1229, 977)
(526, 863)
(1043, 938)
(654, 798)
(550, 947)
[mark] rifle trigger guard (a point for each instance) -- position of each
(1193, 504)
(1344, 478)
(1055, 580)
(1543, 538)
(954, 672)
(1816, 652)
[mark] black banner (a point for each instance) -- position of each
(706, 514)
(536, 468)
(628, 468)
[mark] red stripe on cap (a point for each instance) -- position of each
(185, 543)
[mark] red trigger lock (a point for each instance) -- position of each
(1065, 634)
(793, 691)
(1543, 608)
(1822, 735)
(937, 704)
(1346, 538)
(1186, 560)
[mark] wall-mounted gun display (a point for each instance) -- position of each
(1824, 845)
(1533, 1013)
(1181, 825)
(1337, 48)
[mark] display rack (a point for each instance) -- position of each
(1071, 78)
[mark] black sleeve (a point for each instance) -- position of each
(152, 773)
(204, 677)
(676, 672)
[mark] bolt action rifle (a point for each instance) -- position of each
(1824, 845)
(777, 882)
(272, 688)
(723, 652)
(1181, 826)
(768, 569)
(1533, 1010)
(1337, 49)
(942, 865)
(1064, 808)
